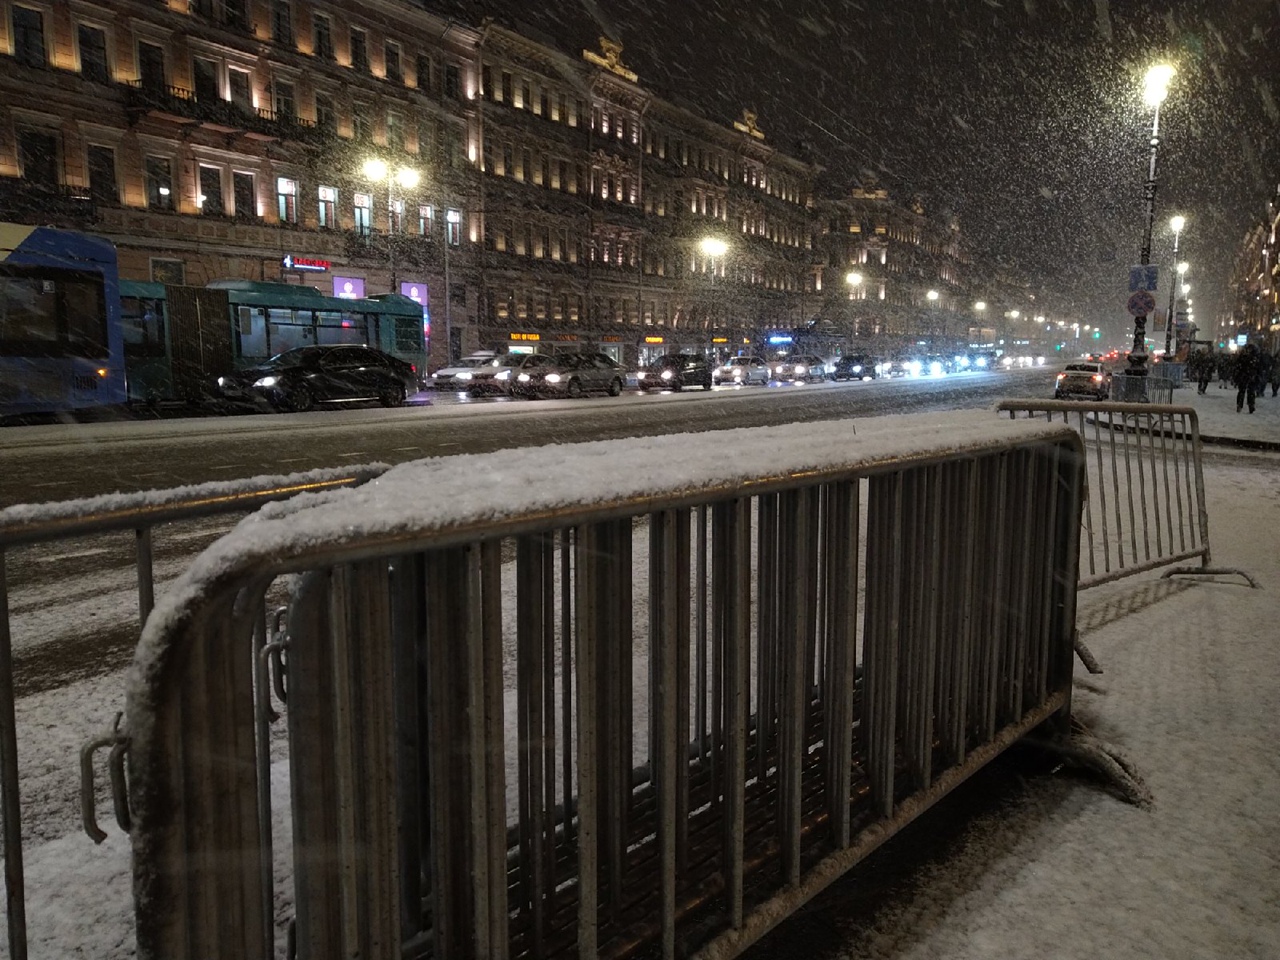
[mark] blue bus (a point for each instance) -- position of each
(178, 339)
(61, 346)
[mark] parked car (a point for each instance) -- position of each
(800, 367)
(676, 371)
(741, 370)
(446, 378)
(857, 366)
(493, 378)
(300, 378)
(1083, 379)
(568, 375)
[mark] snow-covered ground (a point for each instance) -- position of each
(1189, 693)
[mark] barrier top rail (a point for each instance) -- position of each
(35, 523)
(1074, 406)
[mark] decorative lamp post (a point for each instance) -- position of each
(854, 279)
(1155, 90)
(1175, 224)
(932, 297)
(376, 170)
(714, 248)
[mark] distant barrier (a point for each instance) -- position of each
(1126, 388)
(140, 514)
(1145, 507)
(593, 724)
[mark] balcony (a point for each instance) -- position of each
(47, 205)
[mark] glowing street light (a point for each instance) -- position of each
(375, 169)
(932, 294)
(1154, 91)
(713, 247)
(980, 305)
(853, 278)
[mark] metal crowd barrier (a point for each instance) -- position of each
(1145, 507)
(624, 725)
(140, 513)
(1126, 388)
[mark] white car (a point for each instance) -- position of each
(446, 378)
(801, 367)
(742, 370)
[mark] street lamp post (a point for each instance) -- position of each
(1155, 89)
(713, 248)
(377, 171)
(932, 297)
(1176, 224)
(854, 279)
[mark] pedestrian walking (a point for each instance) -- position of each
(1245, 373)
(1202, 367)
(1275, 375)
(1225, 362)
(1266, 369)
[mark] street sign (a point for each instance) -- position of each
(1141, 303)
(1143, 277)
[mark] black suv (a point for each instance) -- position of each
(856, 367)
(676, 371)
(300, 378)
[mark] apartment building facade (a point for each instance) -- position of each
(376, 147)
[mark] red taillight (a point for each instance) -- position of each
(1062, 376)
(413, 367)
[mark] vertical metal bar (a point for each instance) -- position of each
(262, 731)
(491, 757)
(794, 531)
(548, 838)
(766, 628)
(1188, 470)
(568, 546)
(528, 735)
(10, 803)
(1201, 507)
(1127, 489)
(1142, 486)
(1164, 462)
(146, 578)
(406, 632)
(700, 634)
(585, 662)
(1102, 504)
(1152, 429)
(842, 575)
(1179, 428)
(668, 751)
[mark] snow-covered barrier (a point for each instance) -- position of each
(594, 699)
(1145, 506)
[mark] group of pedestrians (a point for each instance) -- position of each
(1250, 371)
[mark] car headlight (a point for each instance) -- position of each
(553, 378)
(641, 375)
(222, 381)
(266, 382)
(464, 375)
(856, 368)
(737, 378)
(981, 361)
(667, 374)
(800, 368)
(915, 366)
(935, 368)
(504, 375)
(523, 378)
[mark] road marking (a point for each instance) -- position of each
(358, 453)
(292, 459)
(52, 483)
(403, 449)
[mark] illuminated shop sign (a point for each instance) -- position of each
(611, 339)
(348, 288)
(655, 340)
(305, 264)
(526, 336)
(719, 339)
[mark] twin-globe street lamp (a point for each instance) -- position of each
(1155, 90)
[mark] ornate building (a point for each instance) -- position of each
(1255, 281)
(553, 197)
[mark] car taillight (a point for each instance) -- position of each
(1062, 376)
(413, 368)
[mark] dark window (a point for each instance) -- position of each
(241, 89)
(205, 74)
(28, 36)
(323, 33)
(103, 185)
(38, 156)
(506, 87)
(236, 12)
(246, 196)
(168, 271)
(211, 191)
(286, 105)
(282, 22)
(395, 130)
(59, 315)
(395, 72)
(360, 51)
(159, 183)
(142, 322)
(326, 118)
(93, 54)
(452, 81)
(486, 82)
(151, 66)
(526, 95)
(424, 73)
(360, 121)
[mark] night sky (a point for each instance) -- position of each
(1023, 118)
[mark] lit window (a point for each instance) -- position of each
(287, 199)
(363, 213)
(328, 209)
(426, 219)
(453, 227)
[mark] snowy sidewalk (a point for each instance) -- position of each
(1219, 422)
